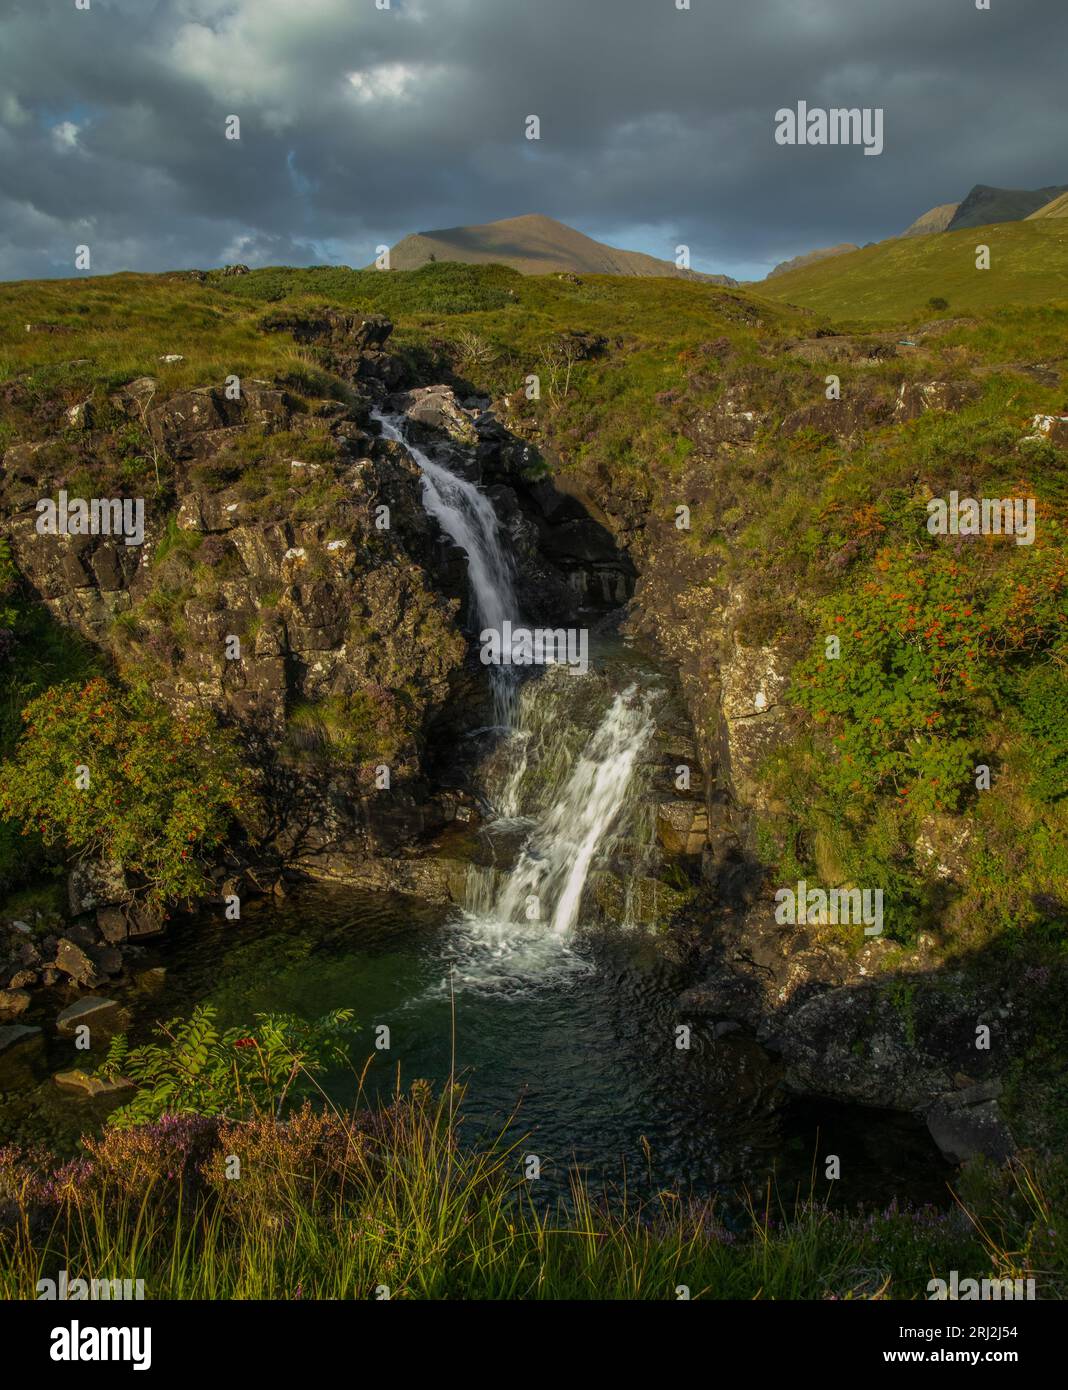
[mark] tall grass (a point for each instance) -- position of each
(391, 1202)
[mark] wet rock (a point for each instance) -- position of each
(89, 1085)
(968, 1124)
(72, 960)
(433, 411)
(13, 1002)
(682, 826)
(728, 996)
(93, 1010)
(16, 1034)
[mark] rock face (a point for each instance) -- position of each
(281, 562)
(297, 587)
(968, 1123)
(916, 397)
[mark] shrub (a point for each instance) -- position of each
(928, 648)
(160, 789)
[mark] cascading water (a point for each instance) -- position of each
(518, 925)
(466, 515)
(551, 872)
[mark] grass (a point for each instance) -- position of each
(893, 281)
(395, 1202)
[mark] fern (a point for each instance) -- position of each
(236, 1074)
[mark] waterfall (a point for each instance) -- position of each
(519, 926)
(466, 515)
(553, 866)
(571, 797)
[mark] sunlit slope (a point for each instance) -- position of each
(895, 280)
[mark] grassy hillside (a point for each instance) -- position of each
(894, 281)
(649, 416)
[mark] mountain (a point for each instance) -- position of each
(533, 245)
(985, 205)
(1057, 208)
(898, 278)
(811, 257)
(936, 220)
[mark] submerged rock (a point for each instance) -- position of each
(16, 1034)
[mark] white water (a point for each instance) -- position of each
(466, 515)
(519, 926)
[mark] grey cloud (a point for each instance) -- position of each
(111, 128)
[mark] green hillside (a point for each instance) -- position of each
(895, 280)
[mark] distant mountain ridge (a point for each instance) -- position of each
(985, 205)
(1057, 208)
(811, 257)
(935, 220)
(534, 245)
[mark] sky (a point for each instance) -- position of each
(360, 124)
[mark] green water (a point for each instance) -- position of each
(585, 1047)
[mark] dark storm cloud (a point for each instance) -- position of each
(359, 125)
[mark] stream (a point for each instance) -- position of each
(548, 990)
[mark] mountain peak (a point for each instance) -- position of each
(534, 244)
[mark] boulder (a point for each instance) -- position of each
(13, 1002)
(968, 1124)
(14, 1034)
(433, 411)
(92, 1010)
(90, 1085)
(111, 923)
(93, 884)
(72, 960)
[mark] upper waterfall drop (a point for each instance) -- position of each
(466, 515)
